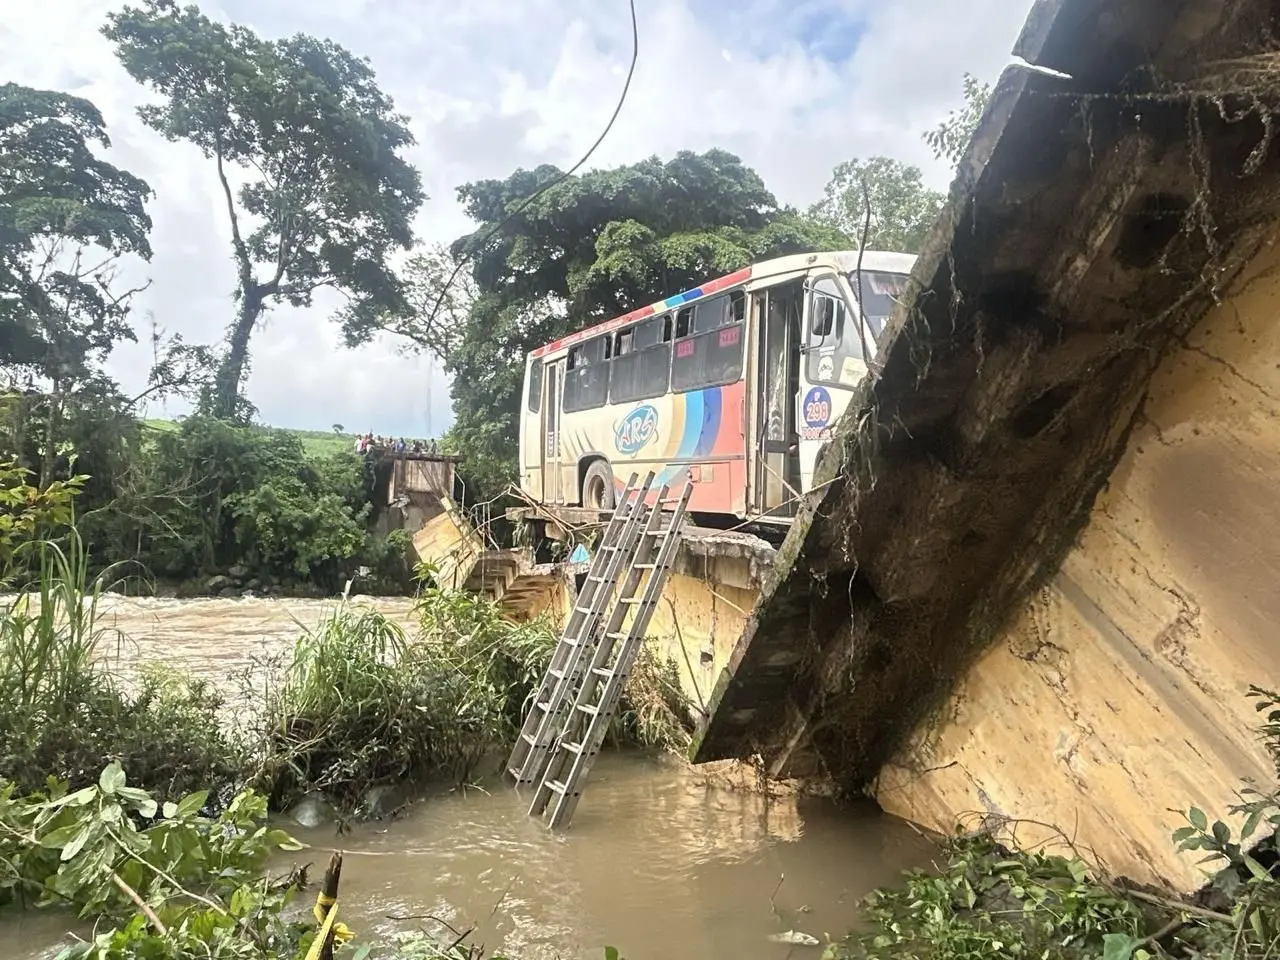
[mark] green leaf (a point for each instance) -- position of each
(77, 843)
(1221, 832)
(1198, 819)
(1118, 946)
(284, 841)
(610, 953)
(1251, 824)
(192, 803)
(1183, 833)
(170, 809)
(112, 778)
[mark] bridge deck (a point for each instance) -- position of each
(1071, 255)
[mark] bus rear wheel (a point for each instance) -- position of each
(597, 486)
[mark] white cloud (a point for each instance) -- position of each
(792, 86)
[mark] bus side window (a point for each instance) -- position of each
(586, 382)
(709, 351)
(534, 402)
(643, 372)
(684, 321)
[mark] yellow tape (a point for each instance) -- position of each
(326, 914)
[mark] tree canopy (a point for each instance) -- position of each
(885, 200)
(326, 197)
(58, 198)
(590, 247)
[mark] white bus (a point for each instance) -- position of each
(736, 384)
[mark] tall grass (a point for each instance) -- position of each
(63, 713)
(361, 705)
(50, 637)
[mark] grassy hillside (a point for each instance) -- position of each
(316, 443)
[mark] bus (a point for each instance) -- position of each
(736, 384)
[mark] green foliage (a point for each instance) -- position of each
(220, 495)
(949, 139)
(56, 192)
(62, 713)
(362, 705)
(109, 848)
(26, 511)
(884, 199)
(329, 195)
(596, 245)
(985, 902)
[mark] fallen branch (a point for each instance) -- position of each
(142, 905)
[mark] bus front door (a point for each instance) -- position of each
(777, 472)
(552, 395)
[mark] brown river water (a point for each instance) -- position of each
(661, 861)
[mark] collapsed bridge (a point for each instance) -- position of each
(1101, 213)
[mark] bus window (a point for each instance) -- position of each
(534, 400)
(586, 381)
(721, 311)
(642, 369)
(834, 338)
(711, 354)
(879, 291)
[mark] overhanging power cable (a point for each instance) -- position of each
(524, 204)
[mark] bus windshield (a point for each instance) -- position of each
(879, 292)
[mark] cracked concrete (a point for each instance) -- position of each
(1162, 616)
(1039, 422)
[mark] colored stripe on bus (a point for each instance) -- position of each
(708, 288)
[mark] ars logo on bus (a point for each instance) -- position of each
(817, 408)
(636, 429)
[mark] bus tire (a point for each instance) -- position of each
(597, 486)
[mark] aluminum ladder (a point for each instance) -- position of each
(582, 732)
(548, 709)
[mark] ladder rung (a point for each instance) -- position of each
(602, 672)
(515, 772)
(543, 704)
(632, 600)
(588, 708)
(558, 674)
(644, 566)
(555, 786)
(617, 636)
(595, 579)
(529, 738)
(572, 747)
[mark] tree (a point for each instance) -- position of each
(326, 199)
(591, 247)
(949, 139)
(882, 199)
(66, 216)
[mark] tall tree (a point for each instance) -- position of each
(590, 247)
(66, 218)
(949, 139)
(326, 196)
(59, 199)
(882, 199)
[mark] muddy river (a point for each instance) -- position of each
(661, 861)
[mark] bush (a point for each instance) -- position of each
(62, 715)
(361, 705)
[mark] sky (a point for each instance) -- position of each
(791, 86)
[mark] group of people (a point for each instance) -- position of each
(368, 443)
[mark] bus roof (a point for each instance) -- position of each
(847, 260)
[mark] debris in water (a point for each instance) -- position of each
(311, 811)
(795, 938)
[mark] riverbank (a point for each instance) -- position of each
(361, 698)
